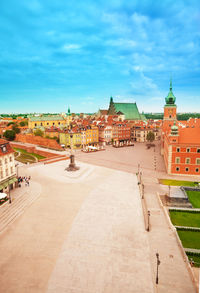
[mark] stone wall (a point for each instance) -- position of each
(32, 149)
(38, 140)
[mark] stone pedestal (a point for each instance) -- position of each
(72, 166)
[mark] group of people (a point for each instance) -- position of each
(24, 179)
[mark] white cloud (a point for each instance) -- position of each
(71, 47)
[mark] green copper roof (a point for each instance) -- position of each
(170, 99)
(47, 118)
(130, 110)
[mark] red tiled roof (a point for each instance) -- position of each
(9, 150)
(189, 135)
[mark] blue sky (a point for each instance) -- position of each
(78, 53)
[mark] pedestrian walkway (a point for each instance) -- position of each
(107, 249)
(21, 198)
(173, 275)
(78, 236)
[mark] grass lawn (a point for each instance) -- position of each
(22, 151)
(189, 239)
(194, 198)
(195, 258)
(176, 182)
(185, 219)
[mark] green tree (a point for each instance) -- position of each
(22, 123)
(16, 129)
(38, 132)
(150, 136)
(9, 134)
(10, 123)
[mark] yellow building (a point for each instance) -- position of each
(70, 138)
(46, 121)
(90, 135)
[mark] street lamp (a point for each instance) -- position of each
(142, 190)
(158, 263)
(148, 218)
(169, 186)
(17, 168)
(9, 193)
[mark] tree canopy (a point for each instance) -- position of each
(150, 136)
(9, 134)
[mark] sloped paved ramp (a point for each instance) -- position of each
(107, 249)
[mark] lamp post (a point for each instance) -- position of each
(17, 168)
(158, 263)
(142, 190)
(9, 193)
(148, 219)
(169, 186)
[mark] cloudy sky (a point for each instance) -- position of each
(55, 53)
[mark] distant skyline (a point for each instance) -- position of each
(55, 54)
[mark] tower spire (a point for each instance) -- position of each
(170, 83)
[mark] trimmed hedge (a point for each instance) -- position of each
(194, 229)
(186, 211)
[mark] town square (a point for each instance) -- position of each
(100, 146)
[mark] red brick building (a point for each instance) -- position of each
(180, 144)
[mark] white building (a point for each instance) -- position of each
(7, 166)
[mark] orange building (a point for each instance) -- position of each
(180, 141)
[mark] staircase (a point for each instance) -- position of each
(22, 198)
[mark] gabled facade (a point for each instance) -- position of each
(7, 166)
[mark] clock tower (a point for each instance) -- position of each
(169, 108)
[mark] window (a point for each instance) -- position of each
(58, 123)
(6, 161)
(6, 172)
(47, 123)
(10, 159)
(198, 161)
(0, 162)
(178, 150)
(188, 150)
(197, 169)
(186, 169)
(177, 169)
(35, 124)
(187, 160)
(11, 170)
(41, 124)
(177, 160)
(198, 150)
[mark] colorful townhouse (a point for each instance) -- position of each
(121, 134)
(7, 167)
(105, 133)
(71, 138)
(90, 135)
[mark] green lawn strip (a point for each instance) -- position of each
(25, 158)
(195, 258)
(39, 157)
(194, 198)
(176, 182)
(187, 219)
(189, 239)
